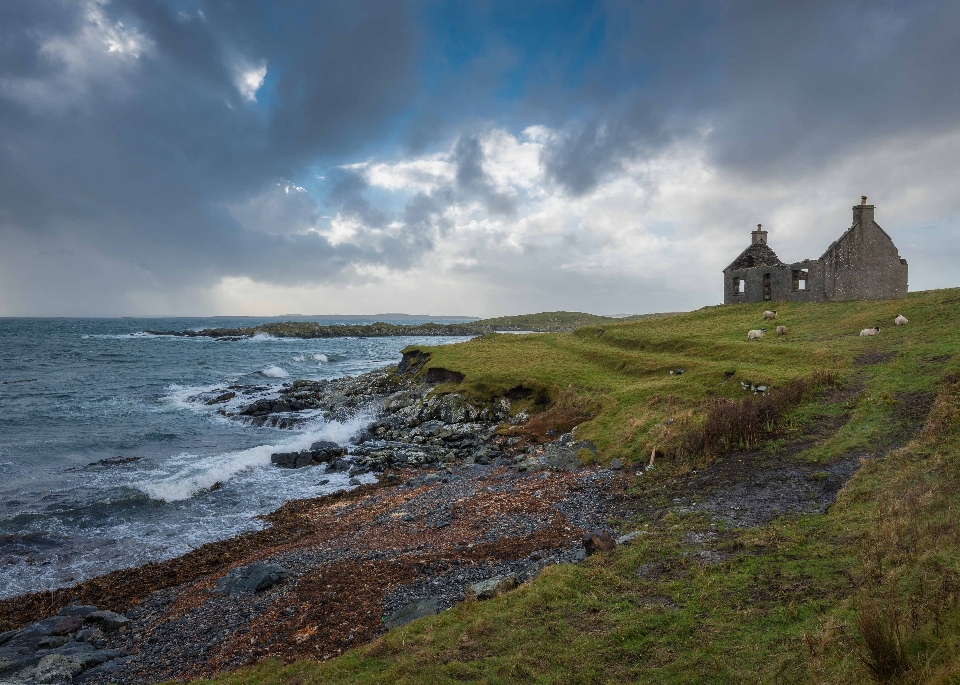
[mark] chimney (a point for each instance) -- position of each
(863, 213)
(759, 236)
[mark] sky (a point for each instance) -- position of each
(262, 157)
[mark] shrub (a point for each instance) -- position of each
(732, 423)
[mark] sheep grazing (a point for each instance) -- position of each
(781, 330)
(769, 315)
(871, 331)
(755, 335)
(901, 320)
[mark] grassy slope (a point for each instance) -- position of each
(787, 603)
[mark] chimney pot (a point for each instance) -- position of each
(863, 199)
(758, 227)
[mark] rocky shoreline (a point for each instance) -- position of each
(466, 505)
(469, 503)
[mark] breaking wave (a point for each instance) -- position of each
(194, 474)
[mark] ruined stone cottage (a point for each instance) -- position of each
(862, 264)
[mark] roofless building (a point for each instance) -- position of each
(862, 264)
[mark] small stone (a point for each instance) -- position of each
(627, 537)
(616, 464)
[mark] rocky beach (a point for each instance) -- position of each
(467, 503)
(470, 500)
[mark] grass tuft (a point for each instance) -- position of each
(883, 653)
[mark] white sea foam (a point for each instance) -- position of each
(274, 372)
(320, 357)
(179, 395)
(124, 336)
(195, 474)
(262, 336)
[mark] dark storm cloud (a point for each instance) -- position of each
(782, 87)
(146, 154)
(473, 181)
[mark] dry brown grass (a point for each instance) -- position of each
(568, 410)
(884, 652)
(743, 423)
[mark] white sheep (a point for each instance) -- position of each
(871, 331)
(755, 334)
(769, 315)
(901, 320)
(781, 330)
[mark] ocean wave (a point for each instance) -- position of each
(274, 372)
(197, 474)
(322, 358)
(122, 336)
(262, 336)
(180, 395)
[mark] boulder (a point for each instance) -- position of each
(55, 668)
(596, 541)
(492, 587)
(411, 612)
(89, 635)
(252, 578)
(616, 464)
(320, 452)
(339, 465)
(67, 625)
(108, 620)
(52, 641)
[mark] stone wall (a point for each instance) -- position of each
(863, 264)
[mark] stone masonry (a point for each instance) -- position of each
(862, 264)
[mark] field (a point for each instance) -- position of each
(866, 591)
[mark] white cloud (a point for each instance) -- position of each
(249, 79)
(655, 235)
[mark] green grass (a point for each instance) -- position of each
(790, 602)
(624, 368)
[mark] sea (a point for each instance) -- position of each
(75, 392)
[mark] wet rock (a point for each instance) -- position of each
(220, 399)
(115, 461)
(594, 542)
(411, 612)
(108, 620)
(255, 577)
(339, 465)
(493, 587)
(319, 453)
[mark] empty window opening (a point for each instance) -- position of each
(739, 285)
(800, 279)
(767, 288)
